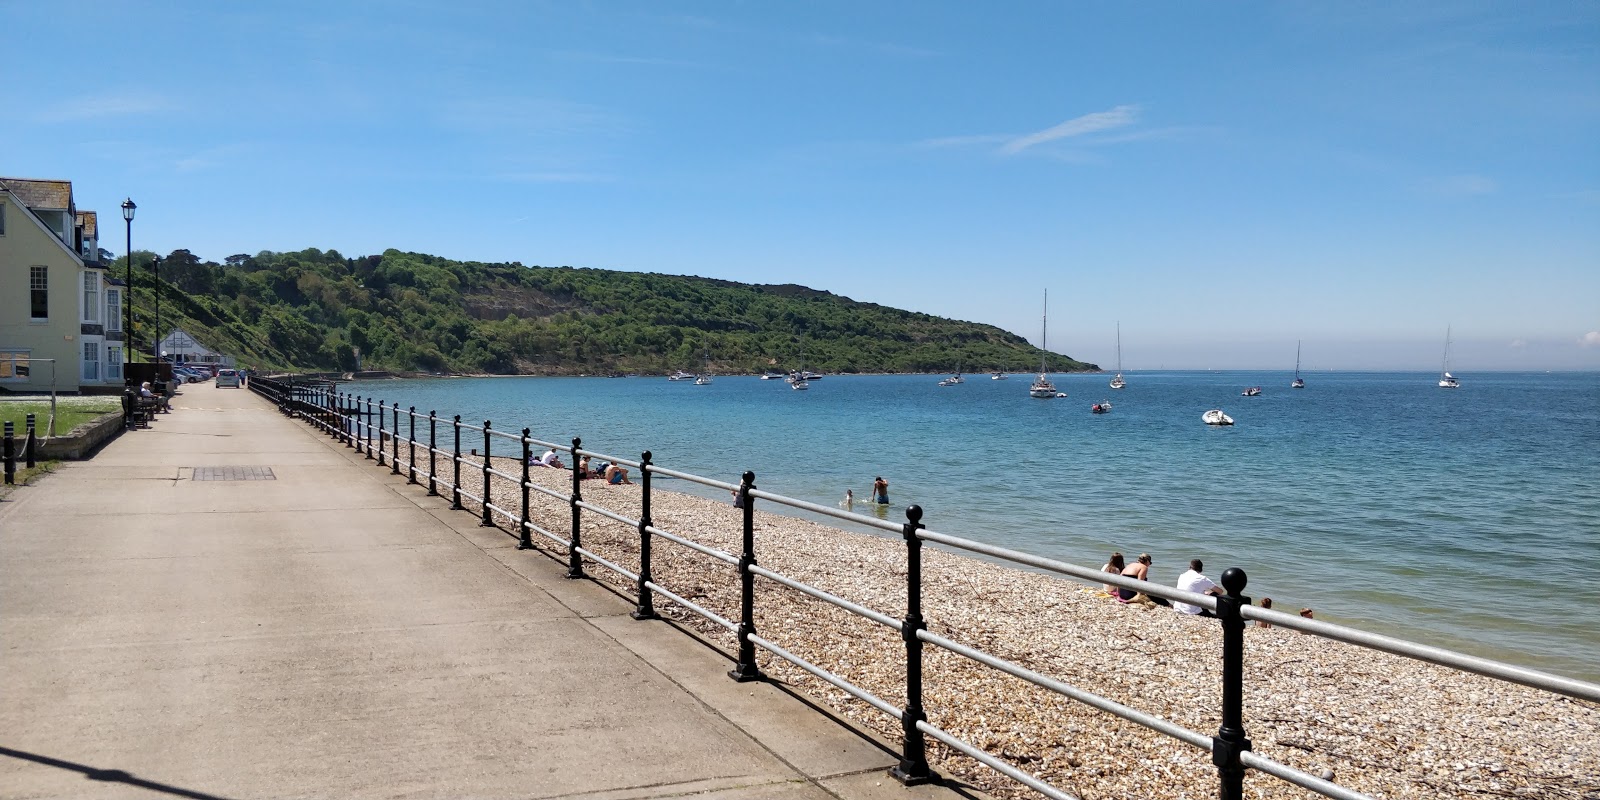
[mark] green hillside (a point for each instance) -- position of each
(412, 312)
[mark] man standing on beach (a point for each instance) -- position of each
(1193, 581)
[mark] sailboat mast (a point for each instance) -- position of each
(1044, 332)
(1444, 369)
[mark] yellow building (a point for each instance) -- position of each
(60, 313)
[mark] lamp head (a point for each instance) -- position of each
(127, 209)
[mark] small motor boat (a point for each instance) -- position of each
(1102, 407)
(1251, 392)
(1216, 417)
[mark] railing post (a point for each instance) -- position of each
(433, 444)
(524, 534)
(913, 768)
(646, 609)
(746, 669)
(8, 452)
(1230, 741)
(411, 448)
(32, 443)
(574, 558)
(487, 521)
(455, 461)
(380, 433)
(364, 432)
(347, 418)
(394, 439)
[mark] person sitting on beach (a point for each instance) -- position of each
(1193, 581)
(616, 475)
(583, 468)
(1266, 603)
(1139, 570)
(1115, 567)
(549, 459)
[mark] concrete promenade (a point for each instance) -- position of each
(334, 632)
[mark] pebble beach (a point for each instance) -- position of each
(1382, 725)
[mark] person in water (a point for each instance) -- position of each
(880, 491)
(849, 500)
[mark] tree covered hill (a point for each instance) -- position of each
(408, 311)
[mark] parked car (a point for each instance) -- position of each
(187, 375)
(204, 370)
(227, 377)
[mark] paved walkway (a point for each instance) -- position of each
(332, 632)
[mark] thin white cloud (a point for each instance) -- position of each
(1590, 339)
(1119, 117)
(103, 106)
(965, 141)
(1518, 344)
(1462, 186)
(553, 177)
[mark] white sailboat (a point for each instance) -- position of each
(1446, 380)
(1117, 382)
(704, 378)
(1298, 383)
(1042, 387)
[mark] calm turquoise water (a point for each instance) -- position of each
(1468, 519)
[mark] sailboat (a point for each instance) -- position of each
(1298, 383)
(704, 378)
(1446, 380)
(1042, 387)
(1117, 382)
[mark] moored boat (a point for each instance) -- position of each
(1042, 387)
(1216, 417)
(1253, 391)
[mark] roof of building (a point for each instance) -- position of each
(90, 222)
(38, 194)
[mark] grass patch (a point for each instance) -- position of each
(70, 412)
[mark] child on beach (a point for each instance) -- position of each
(1266, 603)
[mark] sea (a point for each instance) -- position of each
(1464, 518)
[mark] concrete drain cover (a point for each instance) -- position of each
(234, 474)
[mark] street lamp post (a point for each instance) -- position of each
(127, 302)
(155, 270)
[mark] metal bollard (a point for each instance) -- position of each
(913, 768)
(646, 608)
(32, 443)
(487, 521)
(524, 533)
(746, 669)
(1230, 741)
(574, 558)
(8, 452)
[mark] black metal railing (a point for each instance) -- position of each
(351, 419)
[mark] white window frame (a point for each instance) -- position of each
(39, 280)
(113, 308)
(91, 297)
(91, 361)
(113, 362)
(10, 359)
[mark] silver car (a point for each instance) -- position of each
(228, 377)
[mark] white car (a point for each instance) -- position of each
(227, 377)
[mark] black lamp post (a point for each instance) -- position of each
(127, 302)
(155, 270)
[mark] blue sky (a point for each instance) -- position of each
(1221, 179)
